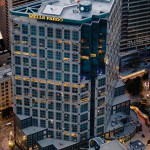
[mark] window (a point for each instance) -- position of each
(42, 74)
(26, 101)
(34, 112)
(17, 70)
(58, 135)
(84, 108)
(75, 68)
(75, 47)
(66, 117)
(41, 43)
(19, 110)
(58, 116)
(50, 32)
(58, 44)
(26, 49)
(33, 30)
(26, 71)
(50, 115)
(43, 123)
(101, 82)
(58, 76)
(58, 56)
(58, 106)
(66, 127)
(58, 125)
(84, 117)
(24, 28)
(42, 85)
(17, 60)
(50, 65)
(42, 64)
(75, 118)
(58, 96)
(42, 105)
(34, 93)
(58, 33)
(27, 111)
(33, 41)
(74, 78)
(34, 62)
(50, 43)
(74, 128)
(66, 77)
(67, 46)
(50, 75)
(100, 102)
(42, 113)
(34, 73)
(100, 121)
(83, 127)
(18, 90)
(74, 109)
(67, 34)
(35, 122)
(67, 67)
(42, 94)
(101, 111)
(25, 61)
(51, 106)
(41, 31)
(100, 130)
(42, 53)
(24, 40)
(50, 124)
(75, 35)
(18, 82)
(66, 107)
(33, 52)
(50, 54)
(50, 86)
(58, 66)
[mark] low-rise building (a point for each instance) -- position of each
(136, 145)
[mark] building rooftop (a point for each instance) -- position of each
(22, 117)
(59, 144)
(115, 122)
(137, 144)
(32, 130)
(61, 10)
(113, 145)
(5, 72)
(120, 99)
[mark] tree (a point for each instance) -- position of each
(145, 77)
(134, 86)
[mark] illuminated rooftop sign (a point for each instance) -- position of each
(40, 17)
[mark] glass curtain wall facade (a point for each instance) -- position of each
(59, 72)
(135, 32)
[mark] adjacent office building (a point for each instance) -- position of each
(5, 88)
(4, 53)
(135, 32)
(65, 70)
(5, 6)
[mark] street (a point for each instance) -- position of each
(145, 131)
(5, 132)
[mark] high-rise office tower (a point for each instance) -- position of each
(4, 53)
(5, 8)
(62, 87)
(135, 32)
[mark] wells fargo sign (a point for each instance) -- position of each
(34, 16)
